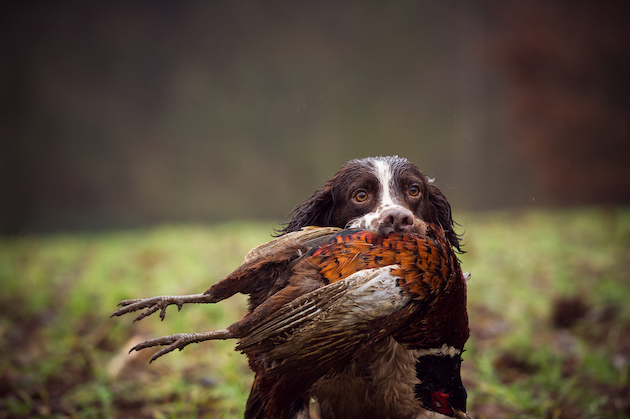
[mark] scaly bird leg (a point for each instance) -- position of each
(159, 303)
(180, 340)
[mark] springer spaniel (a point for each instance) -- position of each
(381, 194)
(378, 193)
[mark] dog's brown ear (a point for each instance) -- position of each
(315, 211)
(441, 214)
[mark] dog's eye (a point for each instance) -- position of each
(414, 191)
(361, 196)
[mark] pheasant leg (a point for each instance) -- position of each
(181, 340)
(154, 304)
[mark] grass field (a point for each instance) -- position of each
(549, 306)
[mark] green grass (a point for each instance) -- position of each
(549, 306)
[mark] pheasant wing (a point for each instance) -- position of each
(329, 320)
(306, 237)
(263, 270)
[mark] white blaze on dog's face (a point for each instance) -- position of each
(394, 199)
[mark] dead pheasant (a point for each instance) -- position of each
(325, 305)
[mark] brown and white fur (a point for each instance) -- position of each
(380, 194)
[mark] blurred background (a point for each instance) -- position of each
(137, 113)
(160, 141)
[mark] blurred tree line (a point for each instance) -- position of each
(118, 115)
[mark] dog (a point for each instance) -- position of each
(381, 194)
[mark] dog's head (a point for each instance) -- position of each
(381, 194)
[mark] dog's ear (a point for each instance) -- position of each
(315, 211)
(441, 213)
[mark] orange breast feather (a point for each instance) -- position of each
(425, 264)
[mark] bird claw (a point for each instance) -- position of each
(177, 341)
(180, 341)
(154, 304)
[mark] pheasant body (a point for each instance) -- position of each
(425, 268)
(322, 300)
(372, 286)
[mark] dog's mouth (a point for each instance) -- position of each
(418, 227)
(386, 227)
